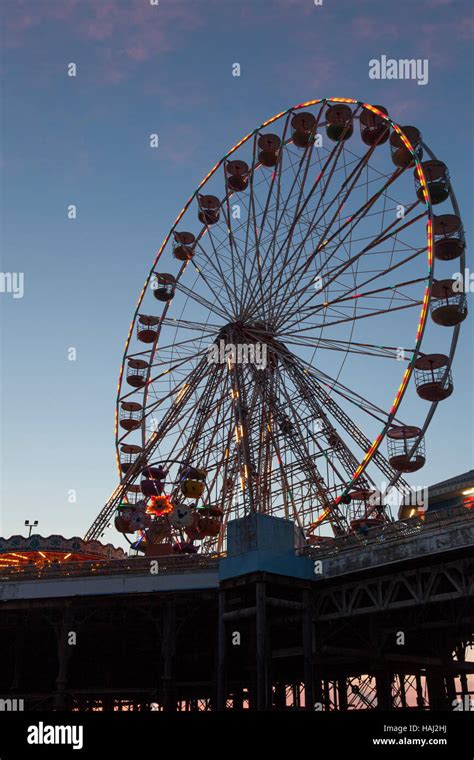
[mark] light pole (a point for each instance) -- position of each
(31, 525)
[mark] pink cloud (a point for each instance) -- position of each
(20, 16)
(123, 34)
(464, 28)
(81, 163)
(180, 147)
(405, 110)
(434, 35)
(373, 28)
(136, 52)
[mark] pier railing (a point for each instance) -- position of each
(436, 531)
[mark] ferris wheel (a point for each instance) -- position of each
(278, 330)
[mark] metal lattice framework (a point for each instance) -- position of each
(318, 253)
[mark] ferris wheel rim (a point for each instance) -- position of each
(117, 492)
(424, 310)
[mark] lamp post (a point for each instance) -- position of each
(31, 525)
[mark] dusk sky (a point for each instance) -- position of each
(84, 140)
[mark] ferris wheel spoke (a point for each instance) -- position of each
(385, 271)
(327, 431)
(221, 466)
(301, 183)
(242, 422)
(180, 361)
(331, 406)
(341, 268)
(337, 445)
(218, 247)
(186, 382)
(376, 291)
(307, 152)
(191, 293)
(267, 292)
(271, 248)
(321, 183)
(234, 255)
(246, 302)
(249, 301)
(253, 287)
(392, 231)
(251, 214)
(348, 346)
(196, 419)
(187, 441)
(151, 445)
(314, 223)
(240, 257)
(340, 301)
(349, 395)
(377, 240)
(186, 325)
(376, 313)
(233, 247)
(353, 221)
(278, 410)
(306, 461)
(193, 420)
(276, 258)
(173, 365)
(274, 182)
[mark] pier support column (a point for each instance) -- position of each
(384, 690)
(221, 654)
(436, 689)
(342, 693)
(168, 651)
(420, 702)
(262, 689)
(18, 659)
(403, 694)
(307, 624)
(64, 652)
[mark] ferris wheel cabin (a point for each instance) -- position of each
(406, 448)
(448, 304)
(449, 241)
(183, 248)
(433, 377)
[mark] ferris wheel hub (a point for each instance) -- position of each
(247, 331)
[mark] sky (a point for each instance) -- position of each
(84, 140)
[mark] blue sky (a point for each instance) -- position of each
(143, 69)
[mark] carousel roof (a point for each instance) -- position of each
(20, 549)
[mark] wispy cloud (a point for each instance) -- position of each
(464, 28)
(121, 35)
(182, 145)
(374, 27)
